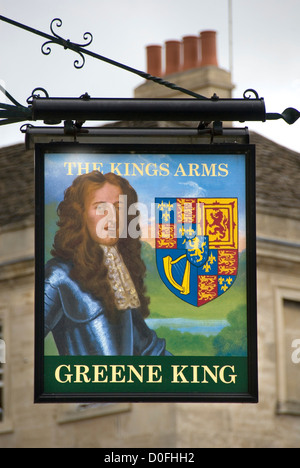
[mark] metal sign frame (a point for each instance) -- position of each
(226, 172)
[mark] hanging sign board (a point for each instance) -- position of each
(145, 272)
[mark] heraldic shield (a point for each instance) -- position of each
(197, 246)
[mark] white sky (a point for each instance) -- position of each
(266, 49)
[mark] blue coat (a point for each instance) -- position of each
(80, 327)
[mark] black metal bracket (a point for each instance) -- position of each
(214, 133)
(70, 133)
(193, 110)
(54, 110)
(199, 109)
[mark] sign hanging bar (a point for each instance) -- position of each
(54, 110)
(85, 108)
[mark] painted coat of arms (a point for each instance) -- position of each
(197, 246)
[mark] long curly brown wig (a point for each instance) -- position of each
(73, 242)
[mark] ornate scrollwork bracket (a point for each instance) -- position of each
(249, 92)
(66, 43)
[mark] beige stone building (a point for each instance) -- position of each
(273, 422)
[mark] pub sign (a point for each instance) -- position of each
(145, 272)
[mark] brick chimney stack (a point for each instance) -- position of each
(191, 52)
(191, 63)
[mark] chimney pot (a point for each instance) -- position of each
(173, 57)
(191, 52)
(154, 60)
(208, 48)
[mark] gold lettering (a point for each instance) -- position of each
(194, 169)
(209, 171)
(99, 373)
(96, 168)
(154, 172)
(179, 373)
(207, 370)
(153, 374)
(195, 374)
(67, 376)
(127, 169)
(83, 168)
(116, 373)
(223, 168)
(82, 371)
(139, 169)
(180, 171)
(164, 169)
(114, 169)
(69, 166)
(133, 370)
(232, 376)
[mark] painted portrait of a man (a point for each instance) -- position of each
(95, 297)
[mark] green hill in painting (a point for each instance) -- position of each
(231, 341)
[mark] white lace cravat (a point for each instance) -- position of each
(125, 293)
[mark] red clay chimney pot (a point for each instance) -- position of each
(208, 48)
(191, 52)
(154, 60)
(173, 57)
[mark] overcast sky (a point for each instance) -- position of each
(266, 49)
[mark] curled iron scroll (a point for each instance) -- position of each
(247, 94)
(35, 94)
(66, 43)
